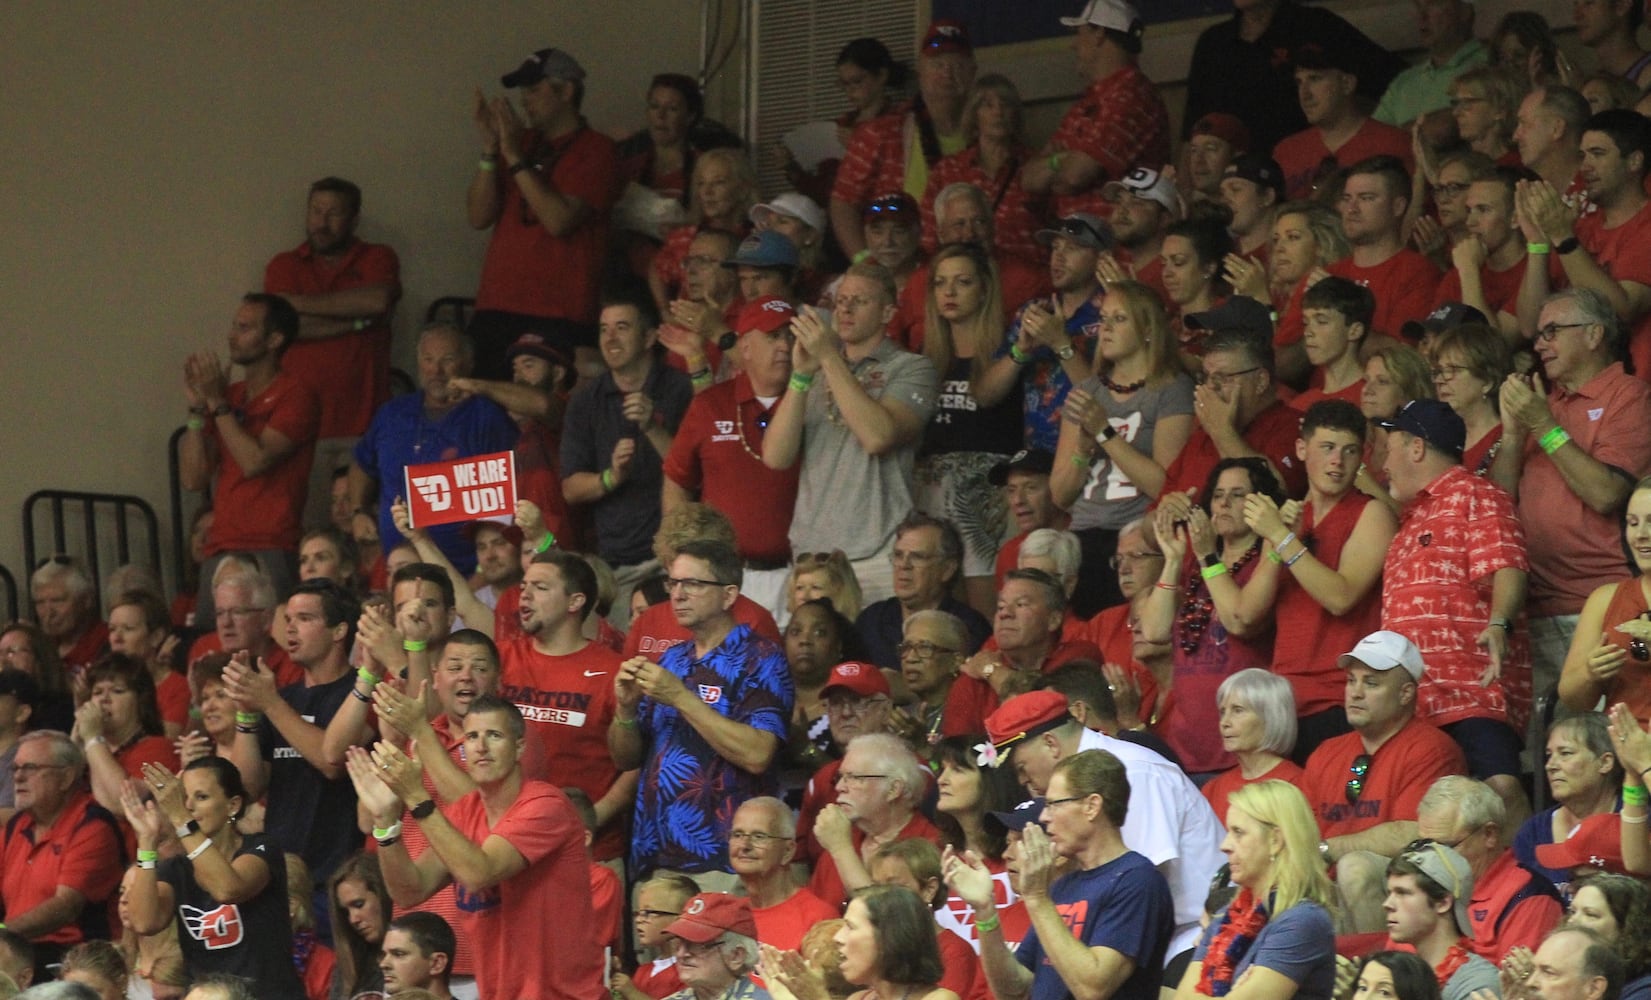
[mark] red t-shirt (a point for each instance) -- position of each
(1621, 251)
(349, 373)
(827, 885)
(1403, 285)
(1121, 123)
(1315, 394)
(1309, 638)
(717, 453)
(1303, 156)
(963, 974)
(784, 924)
(1109, 631)
(507, 616)
(1273, 433)
(1501, 288)
(172, 695)
(1232, 779)
(1008, 557)
(81, 850)
(275, 658)
(971, 699)
(527, 269)
(89, 648)
(655, 630)
(1291, 325)
(535, 933)
(1400, 773)
(568, 701)
(606, 899)
(264, 511)
(1016, 217)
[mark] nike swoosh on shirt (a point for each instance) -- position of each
(596, 673)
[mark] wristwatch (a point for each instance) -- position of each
(423, 809)
(1324, 850)
(1212, 560)
(1567, 245)
(1066, 353)
(185, 829)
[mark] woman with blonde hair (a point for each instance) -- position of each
(824, 574)
(1121, 428)
(1277, 934)
(1485, 103)
(312, 959)
(1393, 376)
(966, 438)
(1306, 237)
(721, 195)
(995, 148)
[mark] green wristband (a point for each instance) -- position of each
(1211, 572)
(1018, 356)
(800, 382)
(144, 855)
(248, 718)
(195, 424)
(991, 923)
(545, 543)
(411, 646)
(1554, 440)
(367, 677)
(1635, 795)
(607, 481)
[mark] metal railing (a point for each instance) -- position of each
(93, 527)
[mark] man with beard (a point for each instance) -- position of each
(563, 684)
(1143, 206)
(1372, 207)
(345, 291)
(438, 423)
(252, 442)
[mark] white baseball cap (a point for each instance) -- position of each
(1383, 651)
(1119, 15)
(798, 206)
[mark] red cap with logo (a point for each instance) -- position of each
(1022, 717)
(1597, 843)
(864, 679)
(710, 915)
(767, 314)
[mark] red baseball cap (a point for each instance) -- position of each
(710, 915)
(1225, 127)
(1597, 843)
(767, 314)
(947, 36)
(863, 679)
(1022, 717)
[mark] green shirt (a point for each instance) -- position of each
(1426, 87)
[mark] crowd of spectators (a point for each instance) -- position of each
(987, 569)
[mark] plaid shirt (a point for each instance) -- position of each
(1436, 591)
(1122, 124)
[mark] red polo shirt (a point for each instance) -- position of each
(81, 850)
(349, 373)
(1121, 123)
(971, 699)
(655, 630)
(265, 511)
(717, 453)
(827, 884)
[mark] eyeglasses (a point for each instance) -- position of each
(1355, 785)
(850, 778)
(1549, 332)
(697, 949)
(1444, 373)
(1048, 803)
(1120, 558)
(1221, 380)
(1455, 189)
(757, 838)
(1456, 102)
(821, 558)
(691, 586)
(656, 914)
(28, 770)
(921, 649)
(856, 706)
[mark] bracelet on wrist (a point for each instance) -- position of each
(1554, 440)
(144, 855)
(1635, 795)
(1161, 585)
(248, 718)
(1284, 543)
(200, 849)
(1273, 558)
(607, 481)
(1019, 356)
(1537, 248)
(986, 924)
(800, 382)
(145, 866)
(545, 543)
(1295, 558)
(409, 646)
(195, 423)
(387, 835)
(1211, 572)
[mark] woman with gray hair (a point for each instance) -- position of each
(1057, 553)
(994, 131)
(1258, 726)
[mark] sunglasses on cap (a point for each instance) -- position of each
(891, 204)
(1080, 229)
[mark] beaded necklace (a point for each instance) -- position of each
(1194, 616)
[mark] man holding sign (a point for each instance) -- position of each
(440, 424)
(618, 430)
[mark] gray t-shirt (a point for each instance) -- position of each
(847, 499)
(1108, 499)
(1477, 974)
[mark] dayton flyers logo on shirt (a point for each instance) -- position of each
(710, 694)
(725, 427)
(217, 928)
